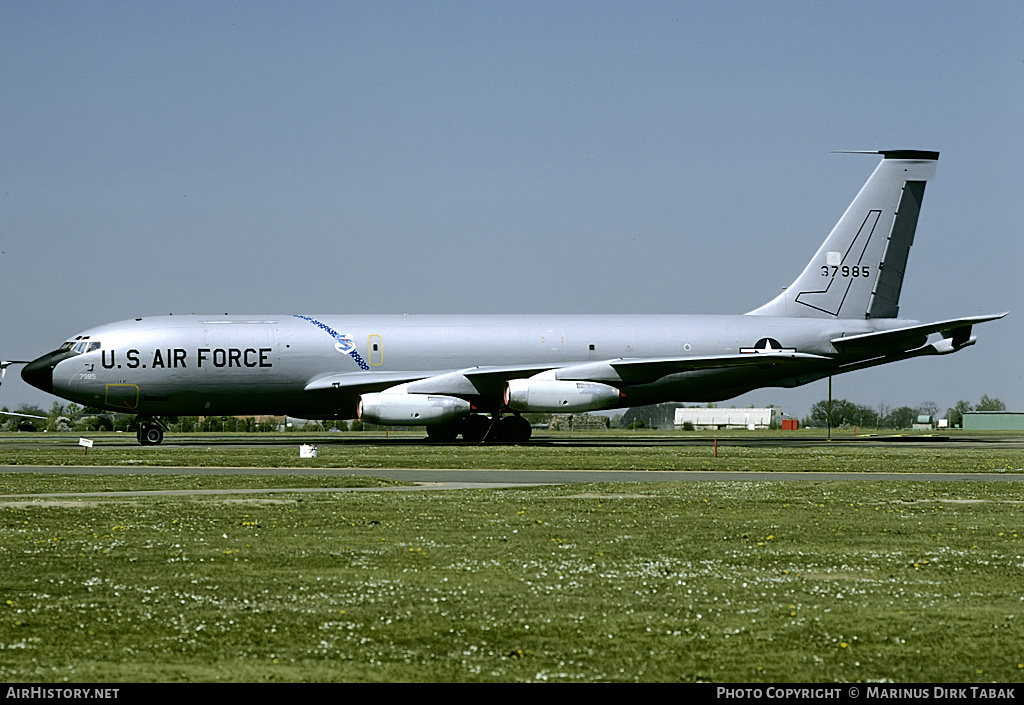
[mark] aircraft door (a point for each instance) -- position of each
(376, 349)
(123, 396)
(552, 343)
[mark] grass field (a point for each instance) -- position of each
(585, 452)
(689, 581)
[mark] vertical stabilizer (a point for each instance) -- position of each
(858, 270)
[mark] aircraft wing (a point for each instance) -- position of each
(470, 381)
(359, 382)
(641, 370)
(22, 416)
(491, 379)
(959, 329)
(655, 368)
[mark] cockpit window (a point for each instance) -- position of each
(82, 346)
(66, 346)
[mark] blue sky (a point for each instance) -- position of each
(448, 157)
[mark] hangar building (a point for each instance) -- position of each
(715, 419)
(993, 420)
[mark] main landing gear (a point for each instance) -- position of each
(150, 432)
(477, 428)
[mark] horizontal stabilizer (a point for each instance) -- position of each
(911, 336)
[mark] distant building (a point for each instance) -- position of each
(924, 423)
(716, 419)
(658, 416)
(993, 420)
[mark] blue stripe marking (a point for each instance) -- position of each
(343, 344)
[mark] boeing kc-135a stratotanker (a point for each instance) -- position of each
(474, 375)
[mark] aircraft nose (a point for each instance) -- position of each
(39, 372)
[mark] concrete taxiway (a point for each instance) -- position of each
(441, 479)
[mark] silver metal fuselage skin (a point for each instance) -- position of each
(221, 365)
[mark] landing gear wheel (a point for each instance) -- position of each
(475, 427)
(443, 432)
(513, 429)
(150, 434)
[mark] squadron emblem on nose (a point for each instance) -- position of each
(344, 344)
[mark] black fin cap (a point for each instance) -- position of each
(909, 154)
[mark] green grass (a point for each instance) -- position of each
(733, 582)
(115, 450)
(15, 484)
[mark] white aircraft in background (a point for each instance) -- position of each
(4, 364)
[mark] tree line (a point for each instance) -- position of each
(73, 417)
(847, 413)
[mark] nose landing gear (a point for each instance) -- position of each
(150, 432)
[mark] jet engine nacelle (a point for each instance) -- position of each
(410, 409)
(559, 395)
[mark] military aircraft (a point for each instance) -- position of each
(475, 375)
(3, 373)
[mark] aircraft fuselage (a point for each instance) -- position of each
(218, 365)
(839, 315)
